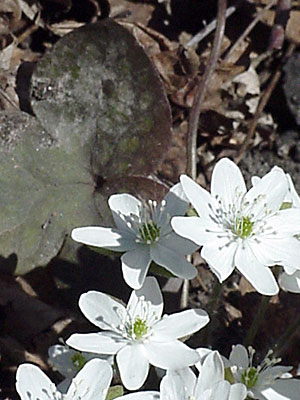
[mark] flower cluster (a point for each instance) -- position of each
(250, 230)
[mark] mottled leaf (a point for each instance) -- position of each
(98, 87)
(102, 122)
(44, 192)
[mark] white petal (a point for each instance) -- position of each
(91, 382)
(180, 324)
(172, 261)
(286, 222)
(151, 293)
(178, 384)
(101, 309)
(226, 181)
(239, 356)
(263, 256)
(100, 343)
(201, 199)
(212, 372)
(220, 255)
(273, 187)
(148, 395)
(170, 355)
(178, 243)
(238, 391)
(133, 366)
(199, 230)
(293, 195)
(260, 276)
(106, 238)
(32, 383)
(284, 251)
(219, 391)
(135, 265)
(176, 204)
(290, 283)
(283, 389)
(124, 203)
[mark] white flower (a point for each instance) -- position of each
(144, 233)
(266, 381)
(241, 229)
(138, 334)
(184, 385)
(68, 362)
(289, 280)
(91, 383)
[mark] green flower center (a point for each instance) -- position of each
(243, 227)
(150, 232)
(139, 328)
(249, 377)
(78, 360)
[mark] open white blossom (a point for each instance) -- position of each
(289, 280)
(183, 384)
(138, 334)
(266, 381)
(144, 233)
(240, 228)
(91, 383)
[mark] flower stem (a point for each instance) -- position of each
(212, 308)
(286, 337)
(264, 303)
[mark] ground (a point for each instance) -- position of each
(40, 307)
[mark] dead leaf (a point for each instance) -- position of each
(10, 14)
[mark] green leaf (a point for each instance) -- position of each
(44, 195)
(97, 87)
(114, 392)
(101, 116)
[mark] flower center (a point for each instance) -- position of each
(139, 328)
(149, 231)
(243, 227)
(249, 377)
(78, 360)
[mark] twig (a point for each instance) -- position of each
(263, 101)
(282, 16)
(8, 99)
(212, 25)
(259, 316)
(196, 108)
(202, 89)
(249, 28)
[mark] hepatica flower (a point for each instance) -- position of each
(289, 280)
(266, 381)
(240, 228)
(144, 233)
(91, 383)
(138, 334)
(183, 384)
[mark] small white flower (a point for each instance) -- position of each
(69, 362)
(138, 334)
(288, 280)
(241, 229)
(91, 383)
(266, 381)
(144, 233)
(184, 385)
